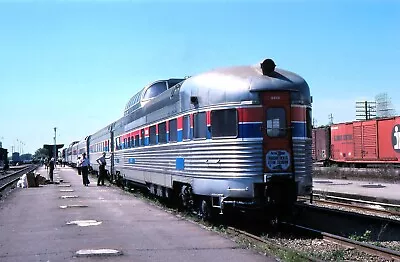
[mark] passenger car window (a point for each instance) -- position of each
(309, 122)
(136, 140)
(199, 125)
(173, 136)
(186, 127)
(142, 136)
(224, 123)
(162, 133)
(155, 90)
(276, 122)
(153, 136)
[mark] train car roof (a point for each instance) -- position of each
(253, 76)
(135, 101)
(242, 83)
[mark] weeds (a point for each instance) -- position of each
(363, 238)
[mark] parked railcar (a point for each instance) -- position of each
(3, 159)
(362, 143)
(321, 145)
(71, 156)
(81, 147)
(99, 142)
(232, 137)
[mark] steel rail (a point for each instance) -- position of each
(17, 173)
(264, 241)
(358, 207)
(368, 248)
(358, 201)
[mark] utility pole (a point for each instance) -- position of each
(330, 119)
(55, 144)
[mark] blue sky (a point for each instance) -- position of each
(75, 64)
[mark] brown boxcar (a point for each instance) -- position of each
(359, 143)
(321, 144)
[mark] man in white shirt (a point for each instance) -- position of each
(85, 169)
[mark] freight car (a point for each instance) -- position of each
(358, 143)
(3, 159)
(236, 137)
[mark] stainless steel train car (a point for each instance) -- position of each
(69, 153)
(81, 147)
(231, 137)
(100, 142)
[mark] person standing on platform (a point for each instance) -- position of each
(79, 165)
(102, 168)
(51, 169)
(85, 169)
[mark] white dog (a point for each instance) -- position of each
(22, 182)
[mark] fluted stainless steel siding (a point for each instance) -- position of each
(215, 159)
(302, 156)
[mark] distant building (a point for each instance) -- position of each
(15, 157)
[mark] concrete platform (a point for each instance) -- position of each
(370, 191)
(33, 227)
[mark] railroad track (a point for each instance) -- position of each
(357, 204)
(345, 242)
(8, 179)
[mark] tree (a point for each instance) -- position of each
(41, 153)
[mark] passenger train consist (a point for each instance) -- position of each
(231, 137)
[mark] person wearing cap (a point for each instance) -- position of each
(85, 170)
(102, 168)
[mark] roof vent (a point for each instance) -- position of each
(268, 66)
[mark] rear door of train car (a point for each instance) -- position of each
(277, 132)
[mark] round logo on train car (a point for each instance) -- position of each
(278, 160)
(396, 138)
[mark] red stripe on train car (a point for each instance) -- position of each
(179, 123)
(251, 114)
(298, 113)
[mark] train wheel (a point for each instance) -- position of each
(186, 197)
(205, 210)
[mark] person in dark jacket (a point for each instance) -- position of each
(51, 169)
(85, 169)
(102, 168)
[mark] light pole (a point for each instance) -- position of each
(55, 144)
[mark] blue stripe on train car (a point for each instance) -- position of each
(146, 141)
(179, 136)
(299, 129)
(131, 161)
(180, 163)
(250, 130)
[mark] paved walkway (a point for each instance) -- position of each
(47, 224)
(385, 192)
